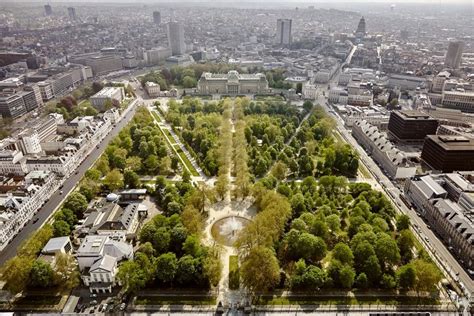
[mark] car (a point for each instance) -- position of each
(104, 307)
(93, 302)
(428, 226)
(122, 306)
(61, 192)
(93, 295)
(35, 220)
(98, 146)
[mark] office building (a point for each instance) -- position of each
(156, 56)
(454, 54)
(37, 92)
(48, 10)
(11, 105)
(232, 83)
(411, 126)
(46, 90)
(104, 64)
(283, 35)
(176, 38)
(157, 17)
(448, 153)
(459, 100)
(72, 13)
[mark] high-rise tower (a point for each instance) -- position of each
(283, 35)
(360, 32)
(156, 17)
(72, 13)
(454, 54)
(48, 10)
(176, 38)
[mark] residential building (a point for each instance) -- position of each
(232, 83)
(283, 33)
(394, 162)
(446, 201)
(411, 126)
(448, 153)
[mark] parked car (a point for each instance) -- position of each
(35, 220)
(93, 302)
(122, 306)
(93, 295)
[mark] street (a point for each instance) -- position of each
(56, 199)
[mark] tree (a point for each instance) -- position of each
(166, 267)
(371, 268)
(310, 247)
(386, 249)
(77, 203)
(406, 277)
(406, 242)
(427, 275)
(279, 170)
(314, 277)
(41, 274)
(187, 270)
(260, 270)
(16, 273)
(61, 228)
(346, 277)
(161, 240)
(97, 86)
(403, 222)
(189, 82)
(192, 246)
(343, 253)
(131, 179)
(66, 273)
(192, 219)
(131, 276)
(114, 180)
(361, 281)
(212, 267)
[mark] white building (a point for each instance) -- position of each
(153, 89)
(17, 210)
(309, 91)
(99, 99)
(97, 258)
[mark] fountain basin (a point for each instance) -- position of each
(226, 230)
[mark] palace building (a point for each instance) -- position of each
(232, 83)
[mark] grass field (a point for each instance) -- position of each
(234, 273)
(186, 160)
(156, 116)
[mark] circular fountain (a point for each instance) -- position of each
(225, 230)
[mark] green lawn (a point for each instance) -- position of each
(364, 171)
(38, 301)
(176, 300)
(357, 300)
(186, 160)
(234, 273)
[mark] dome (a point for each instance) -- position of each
(112, 197)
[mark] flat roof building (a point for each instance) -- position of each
(448, 153)
(411, 126)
